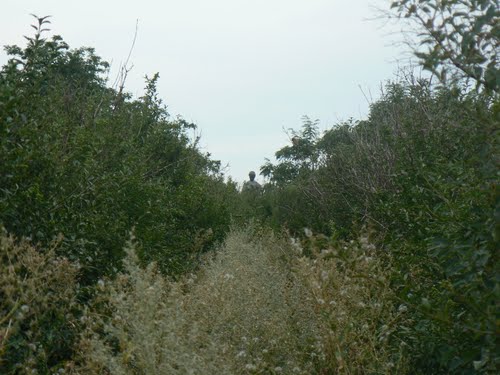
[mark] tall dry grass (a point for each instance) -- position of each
(355, 307)
(38, 307)
(257, 307)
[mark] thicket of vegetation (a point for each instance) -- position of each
(422, 173)
(82, 164)
(396, 271)
(88, 161)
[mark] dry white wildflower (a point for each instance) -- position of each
(250, 366)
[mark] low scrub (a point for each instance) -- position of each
(258, 307)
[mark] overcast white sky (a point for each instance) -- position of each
(242, 70)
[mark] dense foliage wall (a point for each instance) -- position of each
(422, 172)
(81, 166)
(90, 162)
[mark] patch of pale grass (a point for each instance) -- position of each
(243, 313)
(355, 308)
(256, 307)
(141, 324)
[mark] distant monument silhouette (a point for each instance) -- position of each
(251, 185)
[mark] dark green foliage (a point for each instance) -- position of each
(84, 160)
(440, 214)
(458, 39)
(422, 171)
(90, 163)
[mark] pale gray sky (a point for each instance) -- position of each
(242, 70)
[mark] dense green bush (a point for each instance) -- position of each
(90, 162)
(82, 164)
(421, 170)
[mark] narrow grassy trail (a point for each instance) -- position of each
(256, 307)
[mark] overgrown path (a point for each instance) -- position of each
(257, 307)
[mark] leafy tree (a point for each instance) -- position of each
(284, 201)
(301, 156)
(458, 39)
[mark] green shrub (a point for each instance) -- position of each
(422, 171)
(88, 161)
